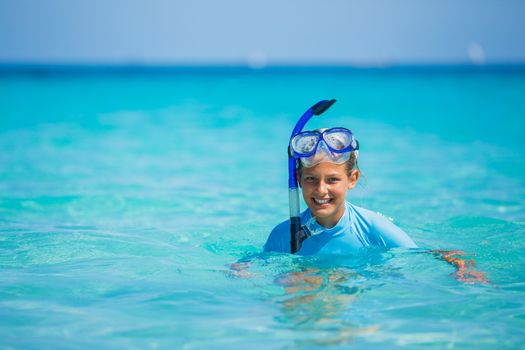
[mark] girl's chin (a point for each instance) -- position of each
(326, 206)
(324, 211)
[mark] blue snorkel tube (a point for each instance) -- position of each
(297, 233)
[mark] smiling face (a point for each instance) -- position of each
(324, 191)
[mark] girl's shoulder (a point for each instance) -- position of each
(279, 238)
(380, 228)
(365, 214)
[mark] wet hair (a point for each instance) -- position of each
(350, 164)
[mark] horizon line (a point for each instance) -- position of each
(176, 67)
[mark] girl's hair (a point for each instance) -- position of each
(350, 164)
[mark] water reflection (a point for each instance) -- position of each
(353, 299)
(318, 297)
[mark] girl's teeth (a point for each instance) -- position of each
(321, 201)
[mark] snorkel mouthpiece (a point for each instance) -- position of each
(297, 234)
(322, 106)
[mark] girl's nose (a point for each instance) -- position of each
(322, 187)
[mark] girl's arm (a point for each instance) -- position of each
(465, 271)
(240, 269)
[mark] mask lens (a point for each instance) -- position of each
(323, 154)
(304, 143)
(338, 139)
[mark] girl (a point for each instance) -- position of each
(325, 163)
(326, 170)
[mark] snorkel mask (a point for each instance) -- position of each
(332, 145)
(310, 148)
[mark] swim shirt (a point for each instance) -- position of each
(357, 228)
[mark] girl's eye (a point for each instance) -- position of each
(333, 179)
(309, 178)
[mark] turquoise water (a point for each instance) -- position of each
(126, 195)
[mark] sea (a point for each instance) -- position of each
(135, 202)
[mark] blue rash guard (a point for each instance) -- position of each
(357, 228)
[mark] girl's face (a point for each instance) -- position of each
(324, 191)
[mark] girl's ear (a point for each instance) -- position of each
(352, 179)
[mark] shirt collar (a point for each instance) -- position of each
(315, 228)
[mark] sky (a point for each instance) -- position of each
(258, 33)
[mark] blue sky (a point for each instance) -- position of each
(367, 32)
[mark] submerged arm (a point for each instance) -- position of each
(465, 271)
(240, 269)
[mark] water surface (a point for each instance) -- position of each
(124, 197)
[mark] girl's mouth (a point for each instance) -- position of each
(322, 201)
